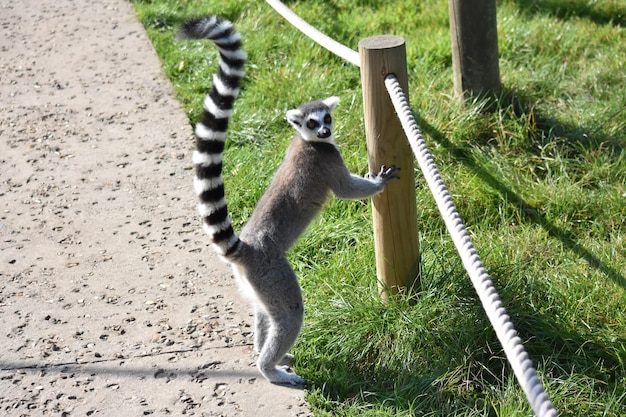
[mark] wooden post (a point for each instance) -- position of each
(474, 34)
(394, 210)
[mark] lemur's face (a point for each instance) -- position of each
(314, 121)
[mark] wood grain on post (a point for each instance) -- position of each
(474, 35)
(394, 210)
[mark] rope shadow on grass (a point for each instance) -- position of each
(526, 211)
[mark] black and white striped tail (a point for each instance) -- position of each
(211, 130)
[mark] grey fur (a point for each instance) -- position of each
(297, 193)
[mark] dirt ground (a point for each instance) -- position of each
(111, 302)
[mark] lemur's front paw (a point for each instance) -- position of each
(387, 174)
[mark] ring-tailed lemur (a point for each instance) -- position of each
(311, 169)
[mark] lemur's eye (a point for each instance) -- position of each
(327, 119)
(312, 124)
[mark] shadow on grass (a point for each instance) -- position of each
(597, 12)
(527, 211)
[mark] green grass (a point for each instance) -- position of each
(540, 182)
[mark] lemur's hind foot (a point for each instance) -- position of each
(281, 376)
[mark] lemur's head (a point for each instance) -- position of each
(313, 120)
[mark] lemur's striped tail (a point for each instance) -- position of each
(211, 130)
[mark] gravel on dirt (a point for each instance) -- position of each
(111, 301)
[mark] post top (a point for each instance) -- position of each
(381, 42)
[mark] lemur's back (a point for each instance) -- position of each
(295, 196)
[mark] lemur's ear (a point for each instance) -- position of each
(295, 117)
(331, 102)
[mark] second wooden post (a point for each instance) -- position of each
(394, 210)
(474, 34)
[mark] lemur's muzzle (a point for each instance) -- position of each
(323, 133)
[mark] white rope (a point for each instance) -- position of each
(511, 342)
(332, 45)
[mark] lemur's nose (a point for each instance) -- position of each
(323, 133)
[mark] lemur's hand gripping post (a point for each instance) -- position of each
(385, 174)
